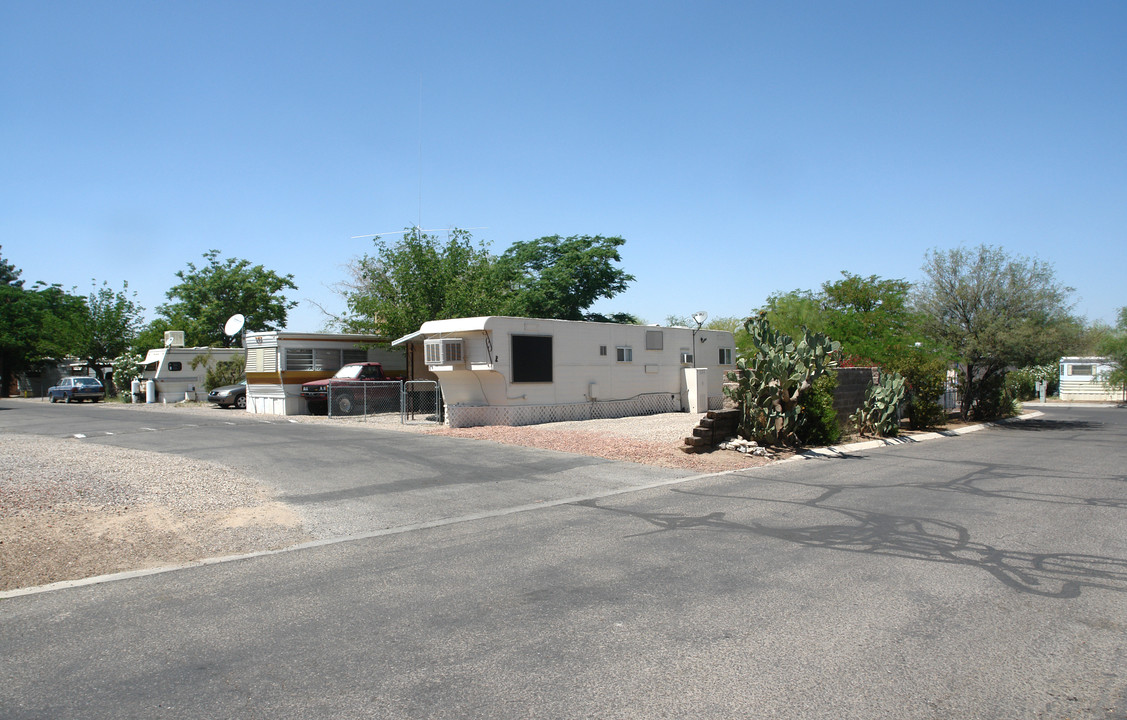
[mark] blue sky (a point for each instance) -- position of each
(740, 148)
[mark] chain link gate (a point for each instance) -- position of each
(422, 402)
(364, 397)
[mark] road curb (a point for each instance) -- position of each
(832, 451)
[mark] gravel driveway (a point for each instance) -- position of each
(71, 510)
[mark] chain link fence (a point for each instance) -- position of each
(413, 401)
(647, 404)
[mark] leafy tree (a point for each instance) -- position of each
(44, 322)
(870, 317)
(401, 286)
(1114, 347)
(559, 278)
(9, 273)
(792, 311)
(420, 278)
(620, 318)
(114, 320)
(207, 296)
(993, 311)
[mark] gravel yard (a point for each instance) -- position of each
(70, 509)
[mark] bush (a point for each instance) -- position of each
(227, 372)
(817, 418)
(926, 376)
(126, 368)
(993, 400)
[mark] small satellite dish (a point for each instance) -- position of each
(234, 324)
(700, 317)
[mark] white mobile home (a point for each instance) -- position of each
(171, 368)
(279, 362)
(522, 371)
(1081, 378)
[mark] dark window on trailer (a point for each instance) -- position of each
(532, 358)
(175, 367)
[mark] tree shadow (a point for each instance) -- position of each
(1043, 424)
(1055, 575)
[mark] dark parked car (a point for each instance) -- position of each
(77, 389)
(230, 395)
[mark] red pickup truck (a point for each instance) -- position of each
(356, 388)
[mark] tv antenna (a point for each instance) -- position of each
(447, 230)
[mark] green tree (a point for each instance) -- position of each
(870, 317)
(1114, 347)
(792, 311)
(9, 273)
(207, 296)
(419, 278)
(114, 320)
(35, 325)
(560, 278)
(993, 311)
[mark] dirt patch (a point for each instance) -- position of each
(70, 510)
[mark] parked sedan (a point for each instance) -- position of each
(77, 389)
(230, 395)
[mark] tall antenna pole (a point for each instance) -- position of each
(420, 225)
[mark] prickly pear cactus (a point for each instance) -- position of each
(770, 382)
(880, 414)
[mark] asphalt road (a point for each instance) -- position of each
(343, 479)
(980, 576)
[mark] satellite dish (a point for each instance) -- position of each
(234, 324)
(700, 317)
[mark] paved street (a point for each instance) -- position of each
(980, 576)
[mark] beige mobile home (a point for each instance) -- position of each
(1081, 378)
(279, 362)
(171, 368)
(523, 371)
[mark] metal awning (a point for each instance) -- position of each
(408, 338)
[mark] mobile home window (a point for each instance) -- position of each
(175, 367)
(532, 358)
(725, 356)
(654, 340)
(1081, 370)
(624, 354)
(299, 359)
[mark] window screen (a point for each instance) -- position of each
(655, 340)
(532, 358)
(299, 359)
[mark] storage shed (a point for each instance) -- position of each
(523, 371)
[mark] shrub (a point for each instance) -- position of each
(925, 375)
(881, 412)
(770, 381)
(817, 418)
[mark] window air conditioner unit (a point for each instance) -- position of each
(443, 351)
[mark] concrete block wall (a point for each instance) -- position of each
(851, 386)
